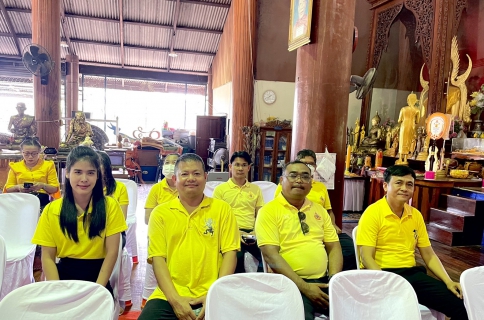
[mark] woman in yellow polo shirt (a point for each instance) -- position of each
(82, 228)
(33, 174)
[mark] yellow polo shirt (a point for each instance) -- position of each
(278, 224)
(192, 243)
(243, 201)
(318, 194)
(394, 238)
(49, 233)
(120, 194)
(160, 193)
(44, 172)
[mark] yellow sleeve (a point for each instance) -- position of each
(229, 240)
(278, 190)
(11, 178)
(266, 229)
(52, 175)
(329, 231)
(217, 193)
(122, 198)
(115, 222)
(260, 198)
(423, 237)
(327, 202)
(152, 199)
(156, 234)
(43, 232)
(368, 228)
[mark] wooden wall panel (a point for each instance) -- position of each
(222, 63)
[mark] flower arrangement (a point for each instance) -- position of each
(477, 102)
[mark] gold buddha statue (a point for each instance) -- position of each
(22, 125)
(79, 130)
(408, 119)
(375, 139)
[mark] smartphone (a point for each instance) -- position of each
(28, 185)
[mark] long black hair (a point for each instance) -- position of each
(96, 222)
(108, 179)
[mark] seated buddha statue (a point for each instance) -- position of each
(79, 129)
(375, 139)
(22, 125)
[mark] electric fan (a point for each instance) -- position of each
(364, 84)
(38, 61)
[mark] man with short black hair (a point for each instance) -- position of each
(388, 233)
(297, 238)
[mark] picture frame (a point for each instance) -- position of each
(300, 23)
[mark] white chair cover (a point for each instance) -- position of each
(150, 282)
(131, 240)
(354, 194)
(66, 299)
(268, 189)
(3, 260)
(472, 282)
(19, 213)
(210, 186)
(125, 277)
(371, 294)
(255, 296)
(425, 313)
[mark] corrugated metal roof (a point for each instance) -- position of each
(21, 21)
(3, 24)
(22, 4)
(197, 41)
(94, 8)
(146, 58)
(7, 46)
(93, 30)
(191, 62)
(201, 16)
(147, 36)
(151, 11)
(97, 53)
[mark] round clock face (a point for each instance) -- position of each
(269, 97)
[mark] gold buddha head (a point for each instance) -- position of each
(375, 121)
(80, 116)
(412, 99)
(21, 108)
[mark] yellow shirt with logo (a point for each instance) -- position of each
(243, 201)
(43, 172)
(192, 244)
(318, 194)
(278, 224)
(49, 233)
(394, 238)
(160, 193)
(120, 194)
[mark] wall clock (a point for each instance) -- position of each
(269, 97)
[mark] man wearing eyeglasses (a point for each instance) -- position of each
(297, 238)
(319, 194)
(246, 199)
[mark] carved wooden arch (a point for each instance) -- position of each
(384, 22)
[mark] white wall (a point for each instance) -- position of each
(283, 108)
(222, 100)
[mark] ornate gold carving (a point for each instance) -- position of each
(423, 96)
(384, 22)
(459, 107)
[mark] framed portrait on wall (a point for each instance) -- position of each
(300, 23)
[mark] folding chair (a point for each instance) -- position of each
(268, 188)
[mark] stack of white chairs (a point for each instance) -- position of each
(3, 260)
(426, 313)
(19, 214)
(472, 283)
(255, 296)
(66, 299)
(371, 294)
(268, 189)
(210, 186)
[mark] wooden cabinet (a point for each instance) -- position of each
(274, 152)
(209, 127)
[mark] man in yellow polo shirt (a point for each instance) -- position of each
(161, 192)
(388, 233)
(245, 199)
(319, 194)
(297, 239)
(193, 241)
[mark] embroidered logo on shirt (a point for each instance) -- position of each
(317, 216)
(209, 227)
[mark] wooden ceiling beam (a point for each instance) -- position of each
(205, 3)
(126, 22)
(10, 27)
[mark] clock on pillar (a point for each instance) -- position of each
(269, 97)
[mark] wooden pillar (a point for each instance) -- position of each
(72, 85)
(323, 71)
(210, 92)
(243, 45)
(46, 32)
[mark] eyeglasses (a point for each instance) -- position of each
(241, 165)
(30, 154)
(305, 177)
(304, 225)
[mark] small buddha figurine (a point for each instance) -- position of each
(388, 140)
(78, 130)
(362, 133)
(408, 119)
(22, 125)
(375, 138)
(356, 134)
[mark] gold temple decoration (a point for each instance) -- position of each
(408, 119)
(457, 92)
(424, 97)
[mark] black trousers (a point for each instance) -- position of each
(309, 308)
(433, 293)
(253, 249)
(158, 309)
(81, 269)
(348, 249)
